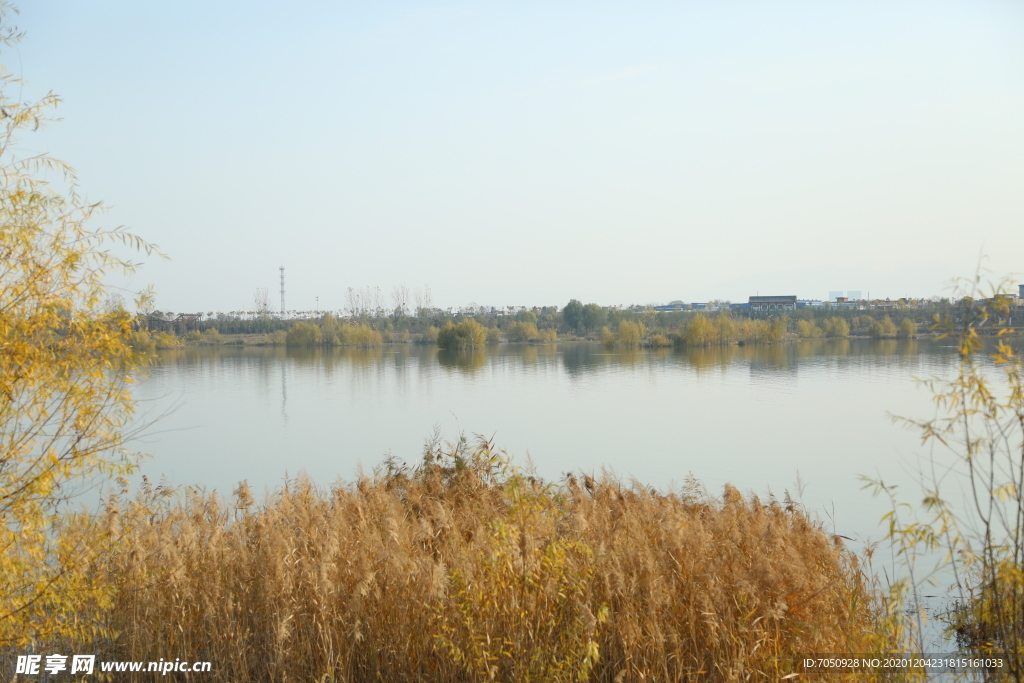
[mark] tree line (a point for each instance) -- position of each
(629, 328)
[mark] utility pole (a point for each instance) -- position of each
(282, 291)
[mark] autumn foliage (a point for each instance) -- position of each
(66, 364)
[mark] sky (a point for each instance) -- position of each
(527, 153)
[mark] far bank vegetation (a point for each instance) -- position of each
(623, 328)
(329, 332)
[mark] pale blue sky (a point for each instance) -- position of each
(527, 153)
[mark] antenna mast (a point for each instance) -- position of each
(282, 291)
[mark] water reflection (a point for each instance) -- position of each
(579, 359)
(531, 354)
(284, 395)
(576, 358)
(468, 361)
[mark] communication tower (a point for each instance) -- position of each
(282, 291)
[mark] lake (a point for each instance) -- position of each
(758, 417)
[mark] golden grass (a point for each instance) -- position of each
(464, 568)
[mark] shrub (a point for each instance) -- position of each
(548, 335)
(363, 336)
(777, 328)
(862, 324)
(907, 329)
(755, 331)
(836, 327)
(807, 329)
(631, 334)
(166, 340)
(725, 329)
(520, 332)
(607, 338)
(883, 328)
(303, 334)
(468, 334)
(330, 330)
(659, 340)
(699, 332)
(764, 331)
(279, 338)
(493, 335)
(141, 341)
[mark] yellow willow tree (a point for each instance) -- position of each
(66, 365)
(972, 510)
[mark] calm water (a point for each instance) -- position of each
(756, 417)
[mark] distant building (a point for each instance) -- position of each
(833, 295)
(773, 303)
(854, 295)
(180, 325)
(671, 307)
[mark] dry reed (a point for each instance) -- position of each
(464, 568)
